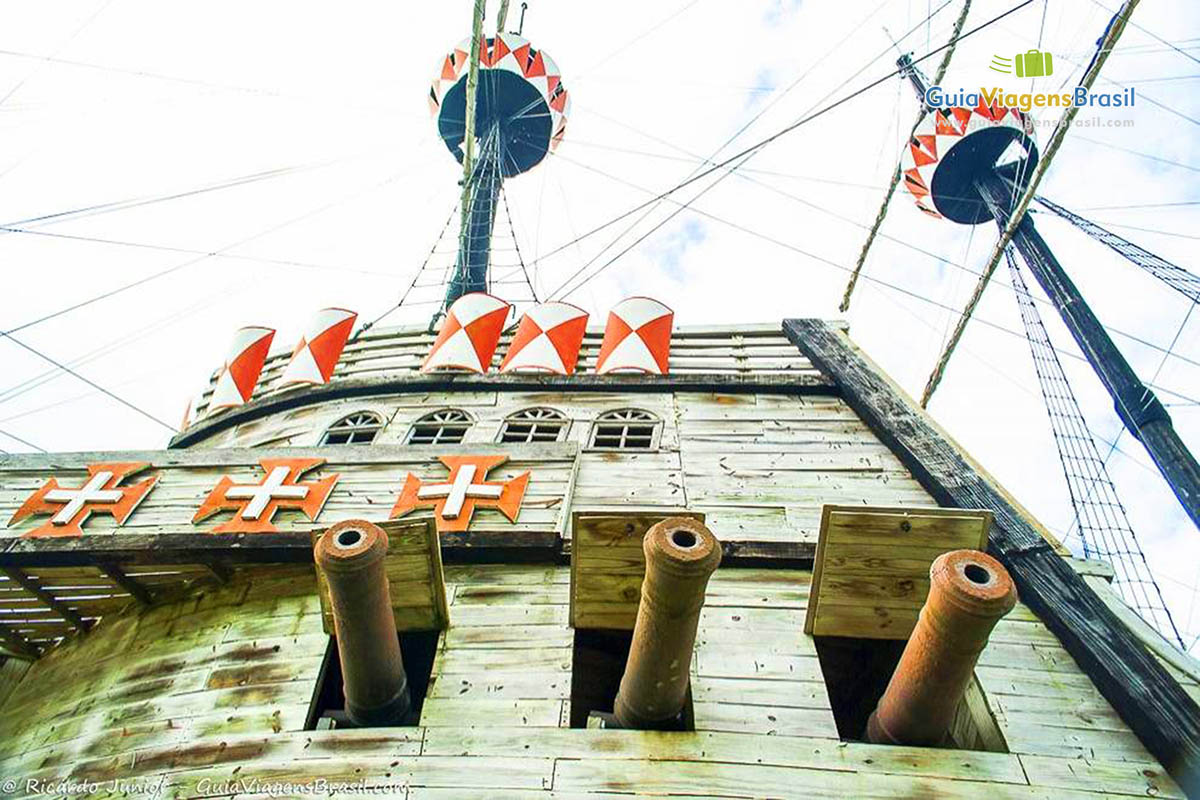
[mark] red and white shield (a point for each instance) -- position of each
(547, 340)
(320, 347)
(637, 338)
(239, 375)
(101, 493)
(470, 334)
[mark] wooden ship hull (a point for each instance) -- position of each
(163, 657)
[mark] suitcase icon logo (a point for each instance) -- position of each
(1034, 64)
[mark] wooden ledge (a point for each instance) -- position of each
(468, 382)
(295, 547)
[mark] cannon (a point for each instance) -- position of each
(681, 555)
(350, 556)
(969, 592)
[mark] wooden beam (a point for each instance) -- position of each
(30, 585)
(219, 553)
(464, 382)
(135, 589)
(16, 644)
(222, 572)
(157, 548)
(1162, 715)
(226, 458)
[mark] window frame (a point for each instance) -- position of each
(613, 417)
(375, 429)
(550, 416)
(467, 422)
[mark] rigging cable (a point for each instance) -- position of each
(879, 281)
(513, 231)
(1178, 278)
(1153, 35)
(742, 174)
(441, 235)
(1104, 528)
(221, 252)
(89, 382)
(1105, 46)
(697, 175)
(824, 210)
(654, 204)
(895, 181)
(747, 152)
(8, 334)
(22, 441)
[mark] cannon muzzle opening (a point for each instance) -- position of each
(681, 555)
(350, 555)
(969, 592)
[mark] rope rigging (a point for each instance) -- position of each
(879, 281)
(1103, 526)
(805, 119)
(895, 180)
(1174, 276)
(1107, 42)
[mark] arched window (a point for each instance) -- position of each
(534, 425)
(627, 429)
(447, 426)
(360, 427)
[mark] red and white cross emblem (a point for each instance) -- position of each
(454, 502)
(99, 494)
(255, 504)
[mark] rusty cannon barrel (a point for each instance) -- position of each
(351, 557)
(681, 555)
(969, 592)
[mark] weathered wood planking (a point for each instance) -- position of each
(416, 580)
(763, 464)
(1164, 716)
(370, 480)
(404, 350)
(608, 564)
(871, 573)
(215, 687)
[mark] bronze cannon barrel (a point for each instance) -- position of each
(969, 592)
(350, 555)
(681, 555)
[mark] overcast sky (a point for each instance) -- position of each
(122, 100)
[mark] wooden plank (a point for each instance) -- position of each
(28, 584)
(16, 644)
(606, 560)
(216, 553)
(871, 575)
(460, 712)
(706, 778)
(135, 589)
(1109, 777)
(263, 406)
(725, 715)
(1164, 717)
(416, 581)
(224, 458)
(531, 685)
